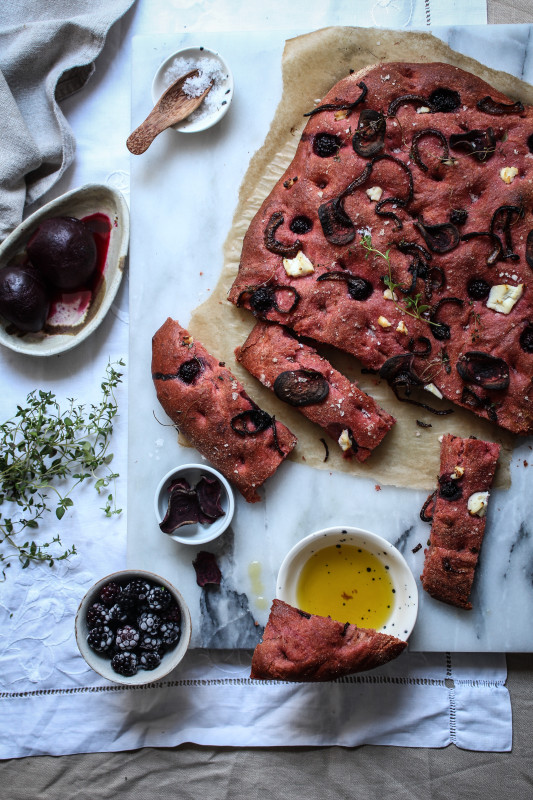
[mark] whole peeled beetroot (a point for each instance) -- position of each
(64, 251)
(23, 297)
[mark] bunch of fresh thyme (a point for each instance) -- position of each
(413, 306)
(42, 446)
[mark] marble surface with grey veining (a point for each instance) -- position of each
(184, 191)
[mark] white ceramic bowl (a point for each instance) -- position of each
(401, 621)
(220, 95)
(197, 533)
(90, 199)
(100, 663)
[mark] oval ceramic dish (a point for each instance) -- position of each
(90, 199)
(100, 663)
(221, 94)
(196, 533)
(402, 618)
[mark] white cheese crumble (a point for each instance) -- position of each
(503, 297)
(423, 110)
(384, 322)
(508, 174)
(344, 440)
(477, 504)
(402, 327)
(457, 473)
(430, 387)
(298, 266)
(374, 193)
(388, 295)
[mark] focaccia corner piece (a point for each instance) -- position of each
(402, 233)
(298, 375)
(458, 523)
(298, 646)
(212, 409)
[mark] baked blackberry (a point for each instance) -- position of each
(152, 643)
(149, 659)
(100, 638)
(148, 622)
(158, 598)
(125, 664)
(170, 633)
(127, 638)
(97, 615)
(110, 593)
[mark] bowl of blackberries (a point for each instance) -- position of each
(133, 627)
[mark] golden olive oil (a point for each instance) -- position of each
(348, 584)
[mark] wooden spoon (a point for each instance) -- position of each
(173, 106)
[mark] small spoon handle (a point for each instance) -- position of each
(143, 136)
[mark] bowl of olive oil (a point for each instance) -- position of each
(351, 575)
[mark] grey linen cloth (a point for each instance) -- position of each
(47, 50)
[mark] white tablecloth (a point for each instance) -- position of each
(51, 702)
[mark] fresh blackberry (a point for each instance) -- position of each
(149, 659)
(152, 643)
(134, 593)
(118, 614)
(148, 622)
(100, 638)
(158, 598)
(125, 664)
(127, 638)
(110, 593)
(172, 613)
(97, 615)
(170, 633)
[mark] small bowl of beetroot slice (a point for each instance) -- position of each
(133, 627)
(194, 504)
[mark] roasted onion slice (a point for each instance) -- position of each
(529, 248)
(408, 98)
(497, 251)
(490, 106)
(337, 226)
(502, 220)
(301, 387)
(369, 138)
(439, 238)
(341, 105)
(415, 155)
(479, 143)
(484, 370)
(440, 330)
(272, 244)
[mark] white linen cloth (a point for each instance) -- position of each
(50, 701)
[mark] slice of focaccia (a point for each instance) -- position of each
(212, 409)
(458, 520)
(402, 233)
(298, 646)
(298, 375)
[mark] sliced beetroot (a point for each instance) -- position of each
(207, 569)
(209, 492)
(183, 509)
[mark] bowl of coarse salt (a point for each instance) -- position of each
(211, 68)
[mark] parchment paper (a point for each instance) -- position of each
(410, 455)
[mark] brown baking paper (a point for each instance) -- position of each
(410, 454)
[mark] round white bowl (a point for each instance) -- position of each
(100, 663)
(224, 90)
(83, 202)
(401, 621)
(197, 533)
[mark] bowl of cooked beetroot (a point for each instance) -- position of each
(194, 504)
(133, 627)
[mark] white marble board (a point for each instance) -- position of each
(183, 195)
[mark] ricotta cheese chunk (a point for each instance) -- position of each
(298, 266)
(503, 297)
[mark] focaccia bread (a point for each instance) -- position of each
(402, 233)
(298, 646)
(212, 409)
(459, 507)
(298, 375)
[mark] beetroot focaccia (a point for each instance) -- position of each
(299, 376)
(298, 646)
(402, 233)
(458, 519)
(212, 409)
